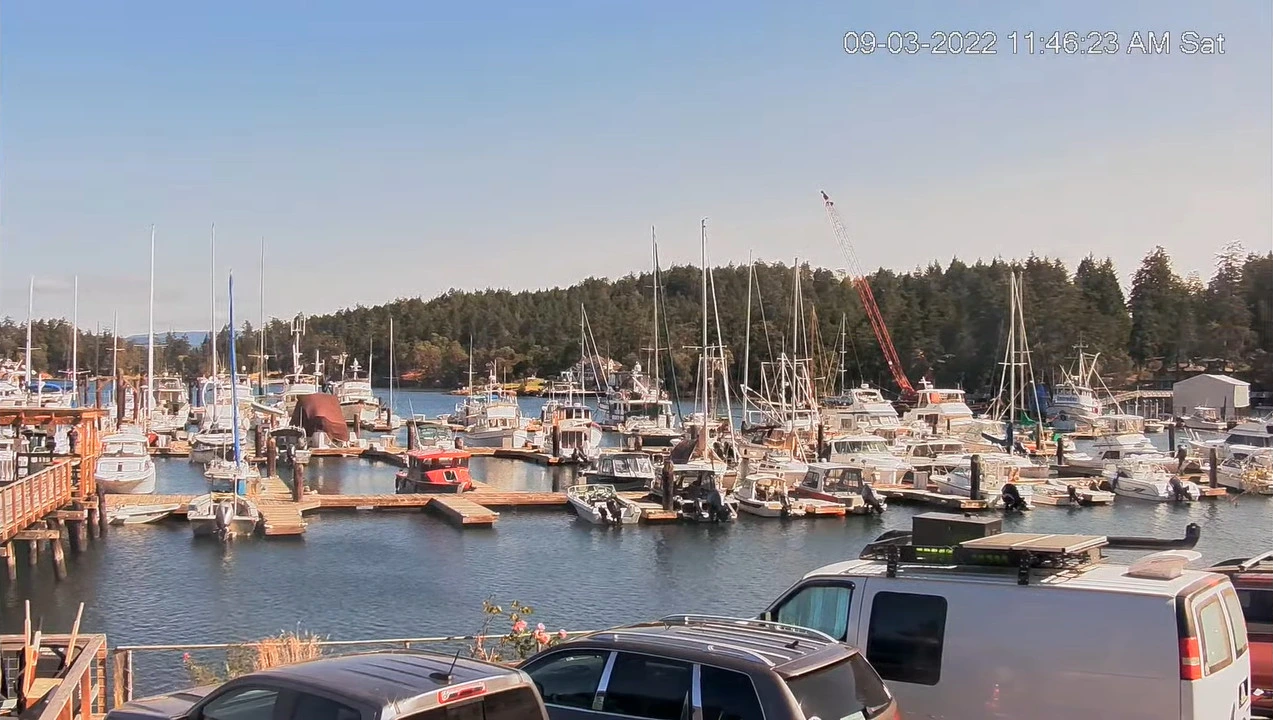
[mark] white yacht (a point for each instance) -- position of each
(872, 454)
(1247, 472)
(125, 467)
(1127, 447)
(499, 423)
(1148, 481)
(942, 410)
(862, 410)
(1204, 419)
(358, 403)
(569, 432)
(601, 505)
(1000, 483)
(766, 495)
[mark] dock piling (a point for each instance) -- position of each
(1213, 472)
(1060, 452)
(1171, 437)
(974, 483)
(59, 553)
(298, 481)
(412, 434)
(103, 522)
(33, 552)
(10, 562)
(271, 458)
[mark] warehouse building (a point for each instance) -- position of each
(1229, 396)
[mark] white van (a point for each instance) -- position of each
(1036, 627)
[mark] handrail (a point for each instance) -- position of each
(23, 502)
(78, 684)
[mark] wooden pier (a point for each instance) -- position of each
(927, 497)
(461, 511)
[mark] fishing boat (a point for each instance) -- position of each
(435, 471)
(125, 466)
(141, 514)
(766, 495)
(1074, 405)
(1148, 481)
(602, 505)
(568, 429)
(623, 470)
(842, 484)
(225, 512)
(358, 404)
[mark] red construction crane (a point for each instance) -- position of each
(868, 302)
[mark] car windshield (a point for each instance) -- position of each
(847, 690)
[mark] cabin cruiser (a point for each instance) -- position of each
(1127, 447)
(1249, 472)
(870, 452)
(498, 423)
(216, 442)
(358, 404)
(569, 431)
(943, 411)
(172, 405)
(1204, 419)
(632, 394)
(924, 455)
(698, 492)
(435, 471)
(215, 402)
(623, 470)
(830, 482)
(602, 505)
(1148, 481)
(999, 483)
(862, 410)
(125, 466)
(433, 436)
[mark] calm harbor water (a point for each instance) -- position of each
(370, 575)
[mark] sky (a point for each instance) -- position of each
(398, 149)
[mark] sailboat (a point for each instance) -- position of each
(225, 511)
(650, 424)
(567, 421)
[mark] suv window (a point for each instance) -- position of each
(906, 635)
(569, 678)
(1257, 606)
(822, 606)
(728, 695)
(246, 703)
(516, 704)
(847, 689)
(313, 707)
(644, 686)
(1217, 650)
(1237, 619)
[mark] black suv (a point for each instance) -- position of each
(373, 686)
(696, 667)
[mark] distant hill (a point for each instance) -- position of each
(194, 338)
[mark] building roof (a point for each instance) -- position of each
(1222, 378)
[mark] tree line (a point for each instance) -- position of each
(949, 324)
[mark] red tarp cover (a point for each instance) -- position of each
(320, 411)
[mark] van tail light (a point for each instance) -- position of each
(1190, 659)
(456, 694)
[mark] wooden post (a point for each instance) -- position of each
(974, 485)
(10, 562)
(412, 435)
(119, 398)
(1060, 451)
(1213, 472)
(1171, 436)
(822, 441)
(123, 676)
(258, 440)
(97, 391)
(298, 481)
(556, 440)
(33, 552)
(103, 522)
(137, 402)
(59, 554)
(666, 479)
(271, 457)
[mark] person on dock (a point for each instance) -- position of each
(73, 439)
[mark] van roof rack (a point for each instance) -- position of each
(1023, 551)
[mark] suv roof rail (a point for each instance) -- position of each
(711, 645)
(1254, 561)
(688, 618)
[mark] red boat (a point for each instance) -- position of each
(435, 471)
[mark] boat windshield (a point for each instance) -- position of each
(447, 462)
(835, 480)
(633, 466)
(861, 445)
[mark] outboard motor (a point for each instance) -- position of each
(872, 500)
(224, 513)
(1011, 498)
(785, 501)
(1074, 495)
(616, 510)
(1178, 491)
(716, 508)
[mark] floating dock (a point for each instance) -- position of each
(909, 494)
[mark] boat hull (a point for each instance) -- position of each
(406, 486)
(206, 521)
(770, 508)
(138, 483)
(142, 514)
(502, 438)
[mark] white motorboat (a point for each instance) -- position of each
(862, 410)
(1248, 473)
(499, 424)
(1058, 492)
(141, 514)
(1000, 484)
(1127, 447)
(358, 403)
(569, 432)
(208, 446)
(623, 470)
(602, 505)
(766, 495)
(1148, 481)
(1204, 419)
(871, 453)
(698, 492)
(650, 432)
(125, 466)
(840, 484)
(221, 469)
(782, 464)
(942, 410)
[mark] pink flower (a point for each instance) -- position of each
(539, 627)
(185, 657)
(561, 634)
(519, 626)
(541, 637)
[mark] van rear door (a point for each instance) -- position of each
(1215, 658)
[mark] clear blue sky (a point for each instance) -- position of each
(391, 149)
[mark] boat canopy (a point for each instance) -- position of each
(317, 412)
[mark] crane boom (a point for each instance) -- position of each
(868, 301)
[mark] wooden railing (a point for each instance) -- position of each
(78, 691)
(24, 502)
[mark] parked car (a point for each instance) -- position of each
(1253, 580)
(709, 668)
(374, 686)
(964, 623)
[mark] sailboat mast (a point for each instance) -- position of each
(391, 373)
(212, 305)
(1012, 348)
(30, 312)
(150, 335)
(234, 386)
(704, 369)
(75, 343)
(115, 368)
(654, 258)
(751, 275)
(261, 330)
